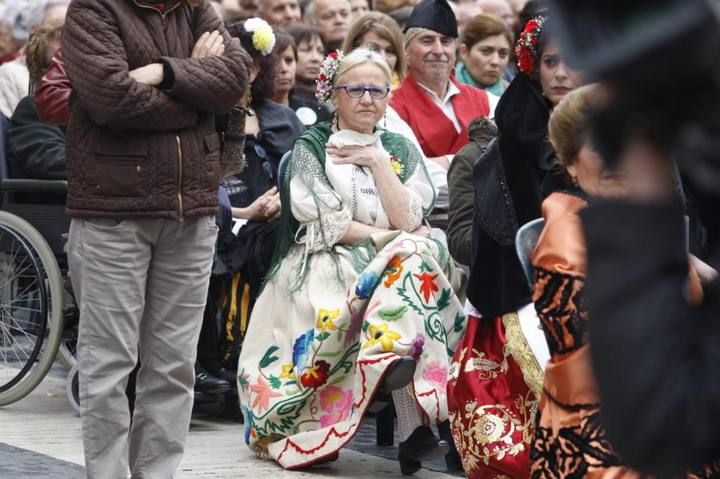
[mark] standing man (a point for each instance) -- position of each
(280, 13)
(332, 18)
(143, 167)
(437, 108)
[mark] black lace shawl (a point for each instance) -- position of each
(511, 179)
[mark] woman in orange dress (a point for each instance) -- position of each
(569, 441)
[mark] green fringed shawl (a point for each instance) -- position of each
(314, 140)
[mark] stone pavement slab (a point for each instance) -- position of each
(21, 463)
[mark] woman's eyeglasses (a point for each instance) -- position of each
(357, 91)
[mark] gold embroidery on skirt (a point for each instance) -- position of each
(484, 432)
(486, 369)
(518, 347)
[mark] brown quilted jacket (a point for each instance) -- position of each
(139, 151)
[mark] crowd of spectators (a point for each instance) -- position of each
(400, 122)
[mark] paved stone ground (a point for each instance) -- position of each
(40, 438)
(21, 463)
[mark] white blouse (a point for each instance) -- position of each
(353, 196)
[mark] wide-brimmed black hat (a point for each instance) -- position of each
(435, 15)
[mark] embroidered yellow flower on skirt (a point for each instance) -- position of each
(381, 334)
(325, 319)
(288, 372)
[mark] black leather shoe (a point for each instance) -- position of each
(452, 458)
(421, 445)
(229, 376)
(207, 384)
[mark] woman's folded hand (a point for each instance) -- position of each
(369, 156)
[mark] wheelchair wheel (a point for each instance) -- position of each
(31, 308)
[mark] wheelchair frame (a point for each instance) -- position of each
(34, 302)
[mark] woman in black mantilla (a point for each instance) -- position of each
(256, 134)
(497, 373)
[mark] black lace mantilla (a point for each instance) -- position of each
(573, 452)
(561, 310)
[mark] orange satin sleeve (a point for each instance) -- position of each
(561, 245)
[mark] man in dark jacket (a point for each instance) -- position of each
(143, 167)
(35, 149)
(462, 192)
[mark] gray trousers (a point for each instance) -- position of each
(141, 287)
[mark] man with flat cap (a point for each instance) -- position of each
(437, 107)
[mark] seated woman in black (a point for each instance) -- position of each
(269, 131)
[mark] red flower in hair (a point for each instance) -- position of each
(526, 47)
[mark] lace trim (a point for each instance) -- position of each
(323, 237)
(576, 451)
(415, 211)
(308, 167)
(559, 304)
(520, 350)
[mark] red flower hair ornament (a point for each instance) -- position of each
(526, 48)
(325, 81)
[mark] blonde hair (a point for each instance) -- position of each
(384, 27)
(570, 121)
(359, 57)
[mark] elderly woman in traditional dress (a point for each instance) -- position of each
(360, 302)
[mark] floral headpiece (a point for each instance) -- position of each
(263, 38)
(326, 78)
(526, 49)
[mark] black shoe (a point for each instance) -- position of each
(207, 384)
(408, 467)
(229, 376)
(452, 458)
(421, 445)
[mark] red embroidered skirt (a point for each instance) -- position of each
(495, 382)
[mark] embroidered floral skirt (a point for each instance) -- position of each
(494, 384)
(312, 360)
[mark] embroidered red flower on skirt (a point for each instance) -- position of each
(316, 376)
